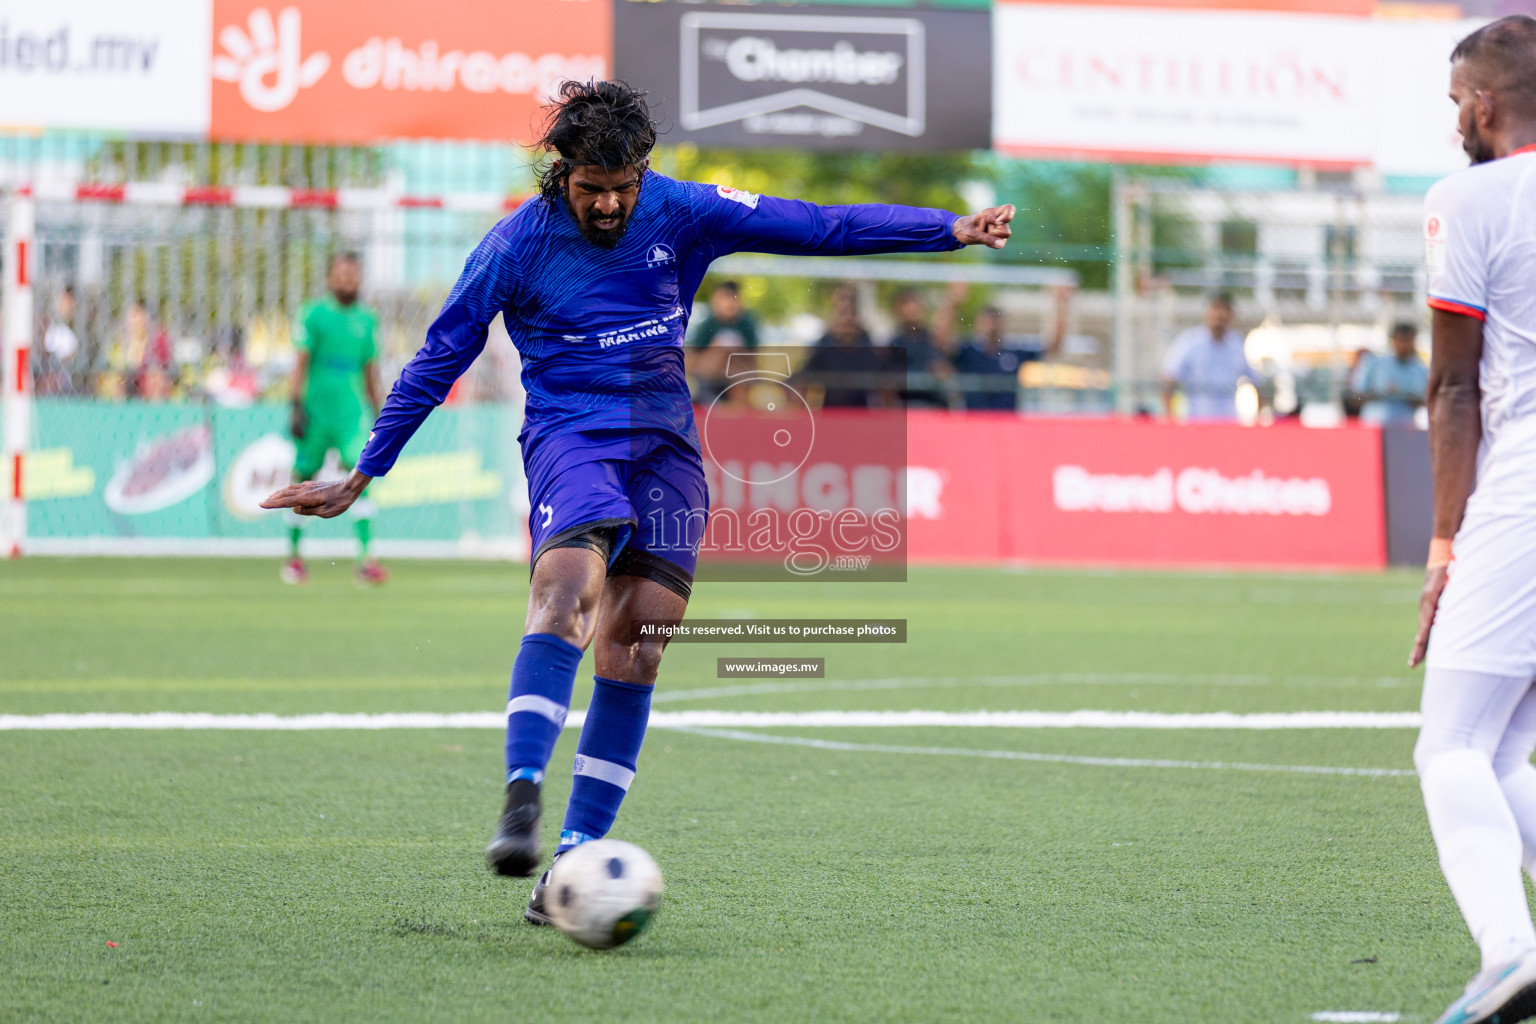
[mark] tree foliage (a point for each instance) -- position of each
(1065, 216)
(916, 179)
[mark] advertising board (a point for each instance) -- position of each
(818, 77)
(1145, 84)
(331, 71)
(137, 68)
(1139, 493)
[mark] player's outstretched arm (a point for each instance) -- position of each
(990, 227)
(729, 220)
(326, 500)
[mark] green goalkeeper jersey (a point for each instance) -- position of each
(341, 342)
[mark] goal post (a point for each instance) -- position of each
(16, 324)
(165, 318)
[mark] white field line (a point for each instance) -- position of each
(1265, 721)
(1019, 755)
(1042, 679)
(262, 722)
(1357, 1016)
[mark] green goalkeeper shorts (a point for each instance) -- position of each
(320, 437)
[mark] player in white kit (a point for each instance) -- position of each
(1474, 751)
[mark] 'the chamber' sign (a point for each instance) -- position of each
(774, 76)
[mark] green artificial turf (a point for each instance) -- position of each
(337, 876)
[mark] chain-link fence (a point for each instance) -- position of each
(1339, 260)
(1317, 277)
(184, 302)
(172, 300)
(166, 282)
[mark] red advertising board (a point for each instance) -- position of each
(1139, 493)
(796, 494)
(333, 71)
(956, 485)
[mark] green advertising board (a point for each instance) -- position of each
(104, 474)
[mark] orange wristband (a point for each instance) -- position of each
(1439, 553)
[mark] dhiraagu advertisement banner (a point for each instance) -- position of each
(130, 476)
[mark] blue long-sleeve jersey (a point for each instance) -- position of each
(600, 331)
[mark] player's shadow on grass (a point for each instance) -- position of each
(516, 935)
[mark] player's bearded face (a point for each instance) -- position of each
(602, 201)
(604, 228)
(1474, 145)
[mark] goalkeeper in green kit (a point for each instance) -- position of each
(335, 395)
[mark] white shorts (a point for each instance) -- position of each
(1487, 616)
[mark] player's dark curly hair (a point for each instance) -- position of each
(603, 123)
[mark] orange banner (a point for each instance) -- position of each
(337, 71)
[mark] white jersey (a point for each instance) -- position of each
(1480, 240)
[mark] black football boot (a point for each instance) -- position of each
(537, 912)
(514, 849)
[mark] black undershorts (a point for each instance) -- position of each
(630, 562)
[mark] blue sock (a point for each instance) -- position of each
(605, 759)
(542, 679)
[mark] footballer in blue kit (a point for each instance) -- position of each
(594, 280)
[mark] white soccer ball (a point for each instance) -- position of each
(603, 893)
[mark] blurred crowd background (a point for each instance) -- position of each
(1085, 313)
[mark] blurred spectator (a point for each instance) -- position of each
(847, 370)
(139, 361)
(923, 354)
(984, 356)
(727, 327)
(60, 346)
(988, 362)
(1354, 382)
(1206, 364)
(228, 379)
(1393, 385)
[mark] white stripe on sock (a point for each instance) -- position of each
(540, 706)
(594, 768)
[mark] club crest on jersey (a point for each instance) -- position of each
(659, 255)
(1435, 238)
(736, 195)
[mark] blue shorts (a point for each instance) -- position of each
(658, 506)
